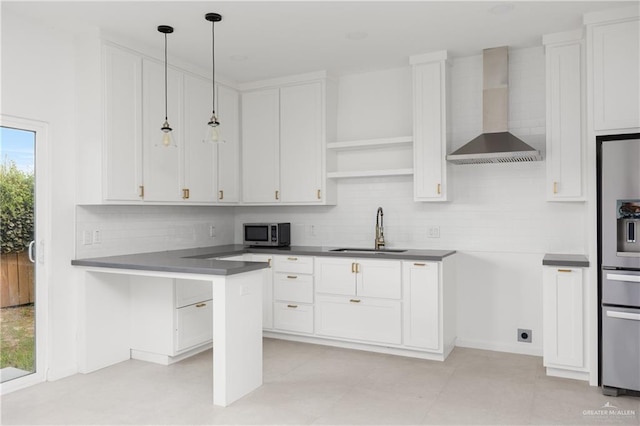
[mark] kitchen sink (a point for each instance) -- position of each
(366, 250)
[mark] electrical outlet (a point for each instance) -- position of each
(87, 238)
(433, 232)
(97, 237)
(212, 231)
(524, 335)
(312, 230)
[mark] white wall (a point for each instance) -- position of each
(498, 219)
(38, 84)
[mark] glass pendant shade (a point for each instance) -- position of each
(167, 135)
(212, 131)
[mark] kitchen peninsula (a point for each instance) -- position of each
(392, 301)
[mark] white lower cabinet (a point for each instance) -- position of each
(365, 319)
(293, 293)
(563, 319)
(169, 318)
(421, 298)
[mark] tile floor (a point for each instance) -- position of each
(311, 384)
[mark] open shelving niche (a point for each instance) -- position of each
(370, 158)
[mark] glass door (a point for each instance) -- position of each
(17, 262)
(24, 228)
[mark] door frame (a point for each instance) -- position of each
(42, 210)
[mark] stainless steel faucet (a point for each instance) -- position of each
(379, 243)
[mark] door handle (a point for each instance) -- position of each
(627, 278)
(32, 257)
(623, 315)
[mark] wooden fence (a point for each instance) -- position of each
(16, 279)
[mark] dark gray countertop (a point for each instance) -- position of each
(577, 260)
(199, 260)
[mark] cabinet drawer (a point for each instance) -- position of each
(293, 287)
(295, 264)
(194, 325)
(372, 320)
(293, 317)
(189, 292)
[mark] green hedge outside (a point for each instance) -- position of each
(16, 208)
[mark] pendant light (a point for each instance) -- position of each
(167, 135)
(212, 135)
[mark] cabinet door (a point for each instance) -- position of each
(260, 146)
(122, 125)
(301, 143)
(378, 278)
(199, 157)
(189, 292)
(194, 325)
(429, 103)
(564, 122)
(562, 298)
(229, 146)
(421, 305)
(616, 67)
(372, 320)
(293, 317)
(335, 275)
(162, 165)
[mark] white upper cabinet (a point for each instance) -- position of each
(284, 131)
(430, 126)
(122, 160)
(228, 110)
(121, 108)
(565, 106)
(200, 160)
(261, 146)
(301, 147)
(162, 165)
(614, 46)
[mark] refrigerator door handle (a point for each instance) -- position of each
(623, 315)
(620, 277)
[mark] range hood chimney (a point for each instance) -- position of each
(495, 144)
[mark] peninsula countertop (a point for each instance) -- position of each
(205, 260)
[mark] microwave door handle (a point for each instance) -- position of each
(627, 278)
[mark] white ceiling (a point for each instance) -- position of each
(283, 38)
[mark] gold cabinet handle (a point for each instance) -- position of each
(221, 195)
(438, 189)
(354, 300)
(357, 268)
(141, 193)
(419, 264)
(565, 270)
(292, 258)
(269, 262)
(319, 195)
(185, 194)
(555, 187)
(353, 267)
(292, 306)
(277, 195)
(200, 305)
(291, 277)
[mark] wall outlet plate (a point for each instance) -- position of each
(524, 335)
(433, 232)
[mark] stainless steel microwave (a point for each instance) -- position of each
(267, 234)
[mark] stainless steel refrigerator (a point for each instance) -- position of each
(619, 242)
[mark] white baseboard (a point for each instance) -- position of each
(521, 349)
(568, 374)
(167, 359)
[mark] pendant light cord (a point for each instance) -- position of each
(166, 115)
(213, 67)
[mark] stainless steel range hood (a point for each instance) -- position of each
(495, 144)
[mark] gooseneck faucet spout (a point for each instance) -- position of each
(379, 242)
